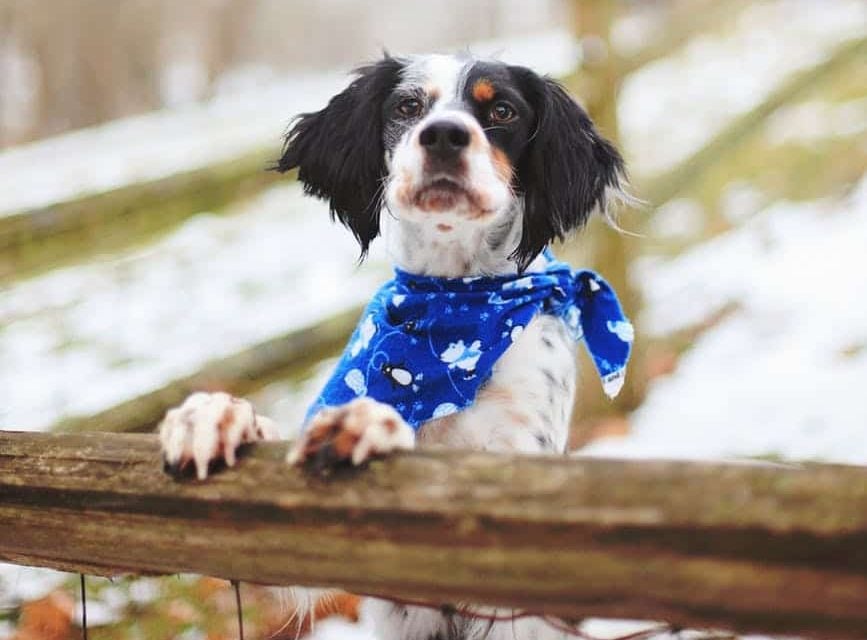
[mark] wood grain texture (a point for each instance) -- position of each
(745, 547)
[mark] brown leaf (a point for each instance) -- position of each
(49, 618)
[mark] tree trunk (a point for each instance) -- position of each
(610, 251)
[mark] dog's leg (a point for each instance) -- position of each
(208, 427)
(353, 432)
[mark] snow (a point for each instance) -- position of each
(159, 144)
(27, 583)
(815, 120)
(81, 339)
(720, 76)
(783, 373)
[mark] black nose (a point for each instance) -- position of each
(444, 138)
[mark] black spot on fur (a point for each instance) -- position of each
(545, 441)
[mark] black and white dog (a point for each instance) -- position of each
(467, 168)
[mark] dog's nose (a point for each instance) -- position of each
(445, 138)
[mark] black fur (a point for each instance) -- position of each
(339, 150)
(564, 172)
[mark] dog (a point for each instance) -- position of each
(469, 169)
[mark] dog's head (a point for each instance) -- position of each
(455, 143)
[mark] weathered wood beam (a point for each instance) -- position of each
(753, 548)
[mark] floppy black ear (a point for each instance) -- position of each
(565, 172)
(339, 150)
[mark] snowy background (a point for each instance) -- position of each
(762, 284)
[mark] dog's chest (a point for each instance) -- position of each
(527, 403)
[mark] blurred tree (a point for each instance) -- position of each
(95, 60)
(597, 84)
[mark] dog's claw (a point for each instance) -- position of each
(353, 434)
(209, 428)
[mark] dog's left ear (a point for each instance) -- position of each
(568, 171)
(339, 150)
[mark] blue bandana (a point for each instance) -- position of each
(426, 345)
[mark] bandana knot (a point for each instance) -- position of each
(426, 345)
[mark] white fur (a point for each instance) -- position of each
(440, 73)
(407, 175)
(192, 433)
(374, 424)
(463, 243)
(378, 439)
(420, 623)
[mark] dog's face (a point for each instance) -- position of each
(454, 144)
(453, 134)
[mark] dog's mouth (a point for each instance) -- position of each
(440, 194)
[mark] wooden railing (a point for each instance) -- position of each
(747, 547)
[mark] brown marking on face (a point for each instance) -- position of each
(444, 227)
(477, 140)
(431, 199)
(483, 90)
(502, 165)
(404, 191)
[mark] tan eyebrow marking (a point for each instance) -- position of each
(483, 90)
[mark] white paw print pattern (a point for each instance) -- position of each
(623, 329)
(365, 334)
(354, 379)
(461, 356)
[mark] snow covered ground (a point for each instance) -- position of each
(81, 339)
(668, 109)
(784, 373)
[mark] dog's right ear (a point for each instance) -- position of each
(339, 150)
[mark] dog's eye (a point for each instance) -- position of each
(503, 112)
(408, 107)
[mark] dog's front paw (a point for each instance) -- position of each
(354, 432)
(210, 427)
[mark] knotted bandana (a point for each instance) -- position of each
(426, 345)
